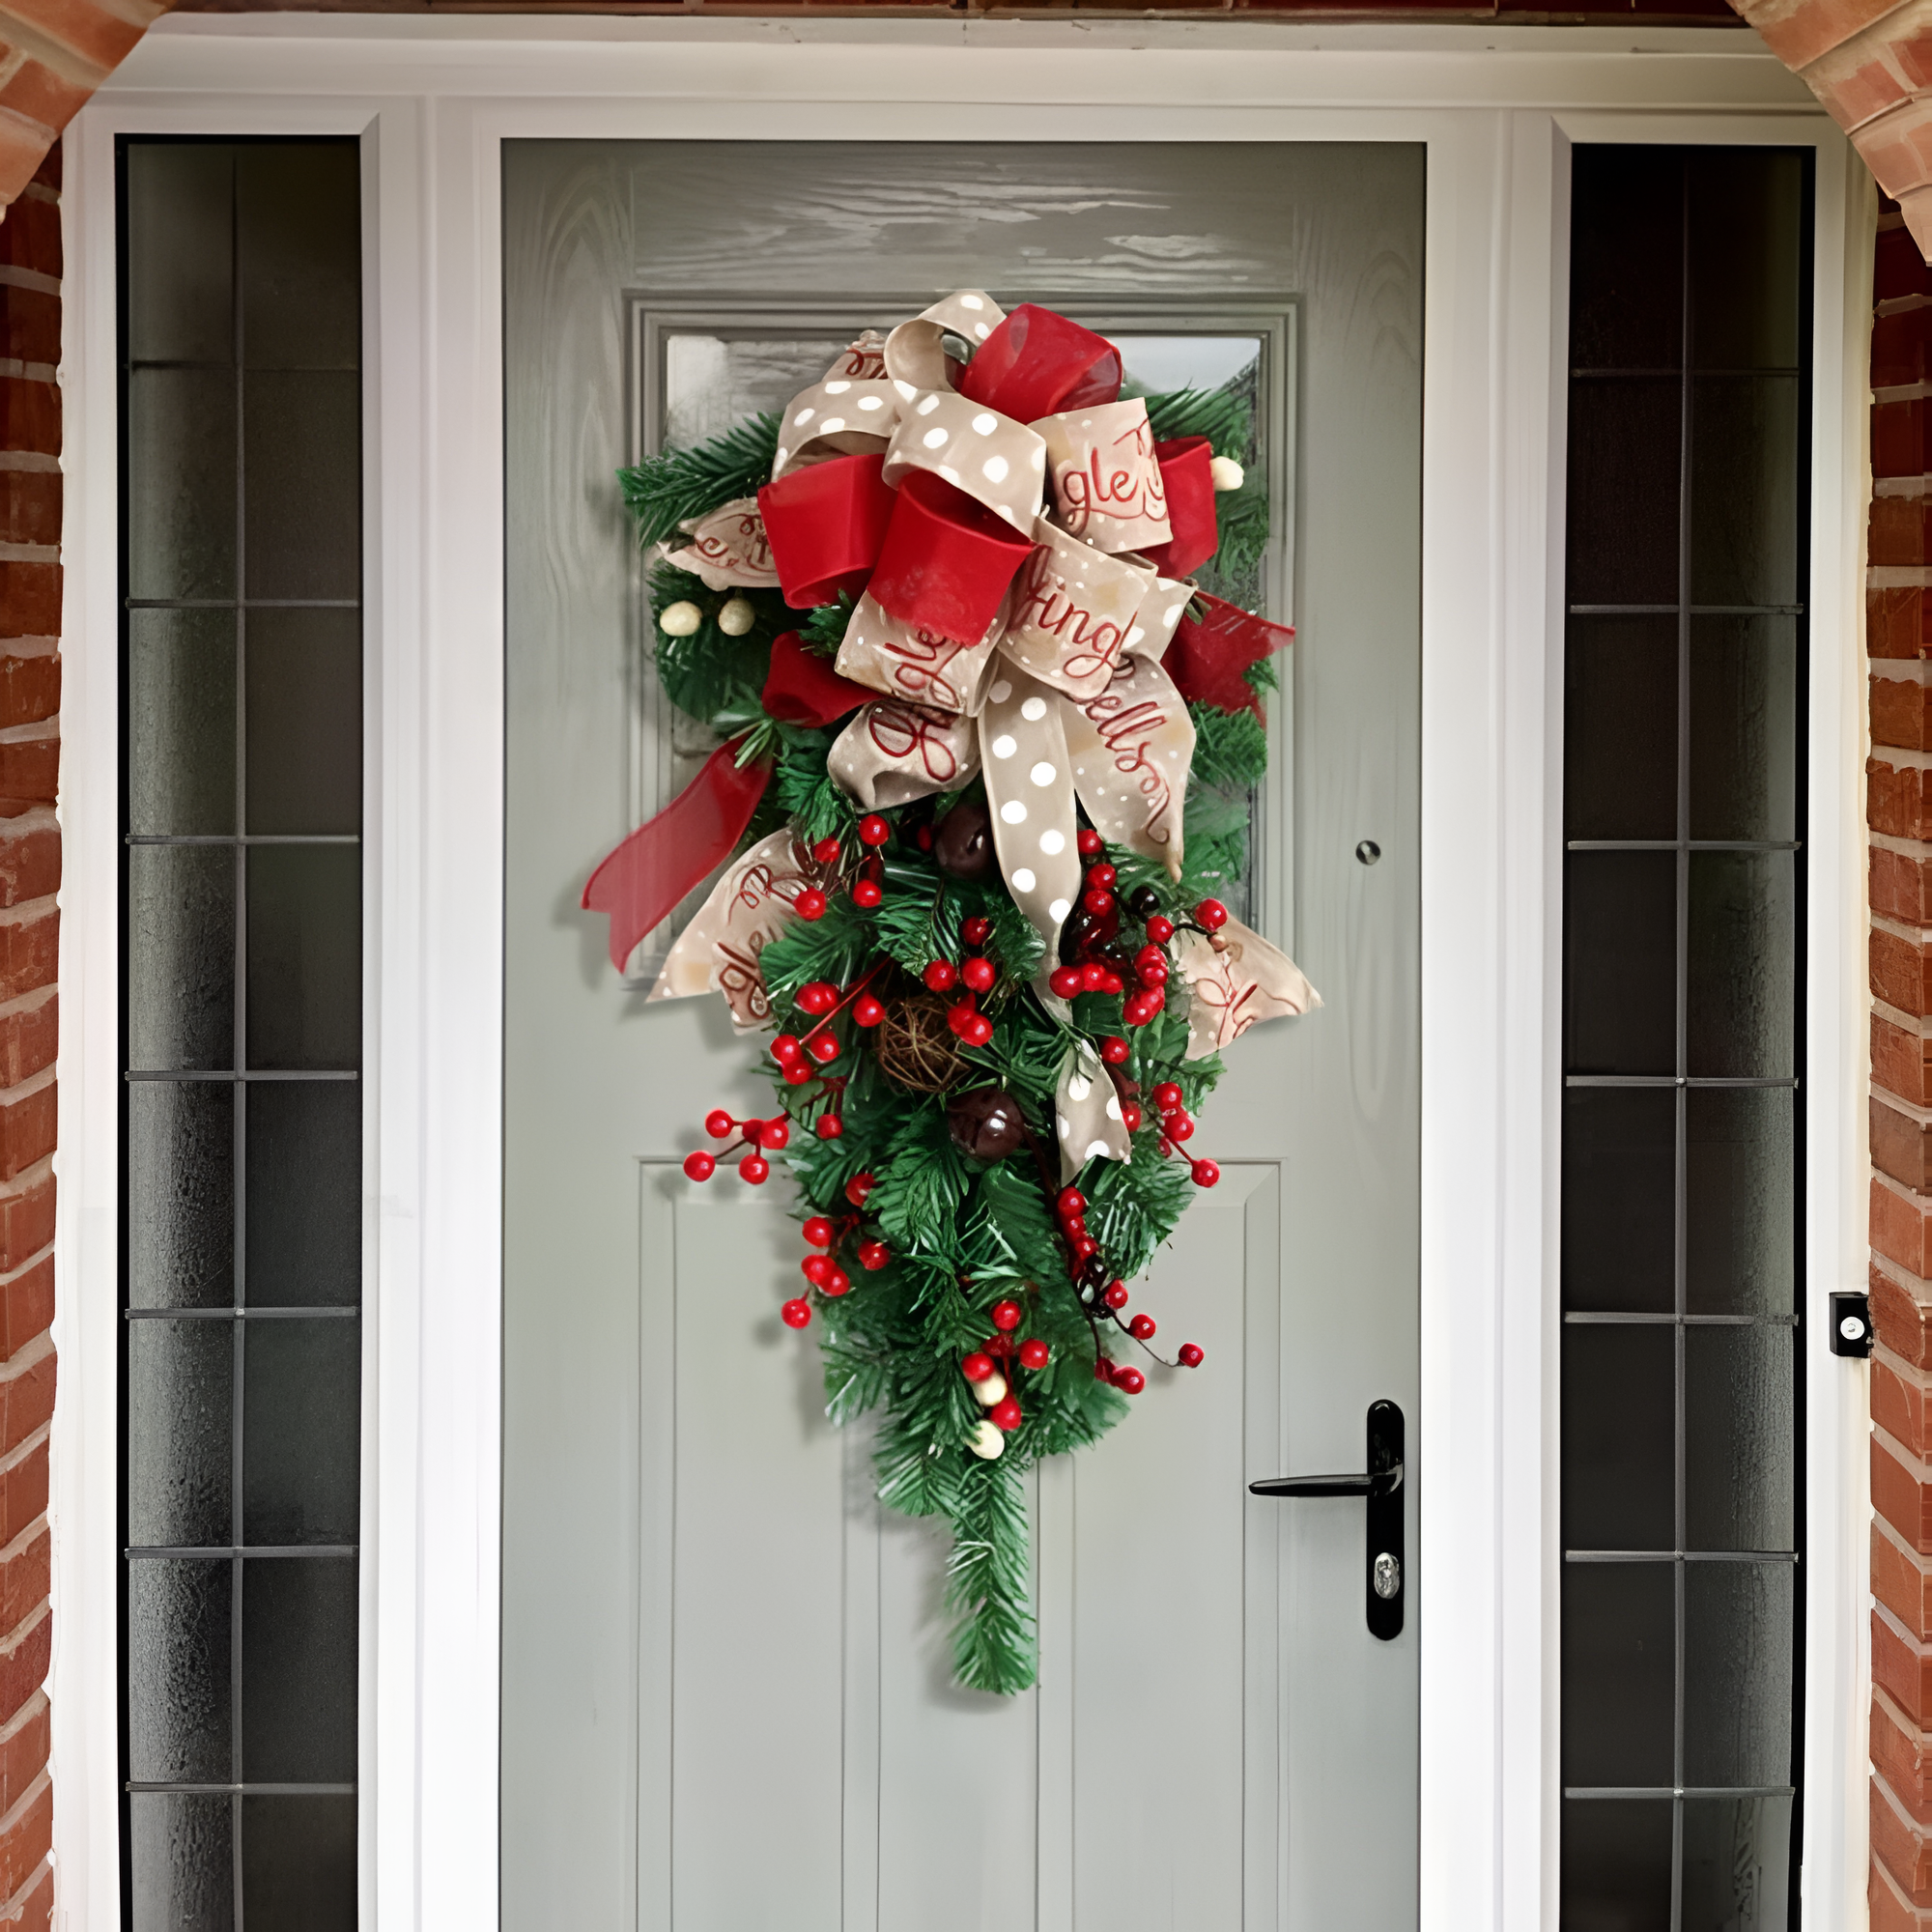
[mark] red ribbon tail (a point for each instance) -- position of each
(640, 883)
(1210, 657)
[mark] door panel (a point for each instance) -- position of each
(726, 1693)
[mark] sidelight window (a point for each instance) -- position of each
(1684, 879)
(241, 966)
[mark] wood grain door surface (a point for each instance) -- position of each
(726, 1696)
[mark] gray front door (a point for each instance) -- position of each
(726, 1697)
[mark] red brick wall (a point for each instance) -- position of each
(1898, 599)
(30, 865)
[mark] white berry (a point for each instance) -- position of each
(680, 620)
(986, 1440)
(737, 616)
(1226, 474)
(994, 1389)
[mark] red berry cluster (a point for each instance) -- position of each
(825, 1238)
(1177, 1124)
(975, 975)
(756, 1135)
(1083, 1261)
(865, 880)
(1001, 1354)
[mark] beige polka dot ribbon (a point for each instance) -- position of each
(1074, 612)
(1132, 748)
(915, 351)
(1087, 1113)
(1107, 487)
(839, 416)
(915, 665)
(748, 908)
(728, 549)
(986, 456)
(893, 753)
(1235, 981)
(1029, 794)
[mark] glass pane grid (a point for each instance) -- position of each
(1680, 1323)
(240, 1696)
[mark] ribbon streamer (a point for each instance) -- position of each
(1210, 656)
(728, 549)
(802, 688)
(1235, 981)
(1087, 1113)
(746, 909)
(640, 883)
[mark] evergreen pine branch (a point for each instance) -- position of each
(1222, 415)
(993, 1645)
(823, 628)
(1230, 749)
(664, 491)
(922, 1183)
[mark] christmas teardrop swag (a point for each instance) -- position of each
(987, 746)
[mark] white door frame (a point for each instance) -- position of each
(432, 99)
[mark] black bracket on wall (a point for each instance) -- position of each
(1379, 1485)
(1851, 1332)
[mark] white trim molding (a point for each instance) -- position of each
(433, 99)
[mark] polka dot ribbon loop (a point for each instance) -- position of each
(1029, 794)
(915, 351)
(839, 416)
(1087, 1113)
(891, 754)
(748, 908)
(1132, 748)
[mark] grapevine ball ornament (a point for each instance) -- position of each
(966, 878)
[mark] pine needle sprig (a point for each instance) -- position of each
(664, 489)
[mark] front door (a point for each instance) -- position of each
(726, 1700)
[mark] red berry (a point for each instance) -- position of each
(1205, 1173)
(819, 1231)
(873, 1255)
(785, 1048)
(1006, 1316)
(1115, 1294)
(1179, 1126)
(976, 1031)
(1191, 1356)
(754, 1168)
(1212, 914)
(1073, 1225)
(858, 1187)
(1097, 901)
(796, 1313)
(866, 1011)
(976, 1367)
(923, 837)
(1149, 955)
(1102, 876)
(1141, 1327)
(1070, 1201)
(1035, 1354)
(817, 1269)
(1092, 976)
(838, 1282)
(1140, 1007)
(699, 1165)
(1113, 1049)
(1166, 1097)
(873, 830)
(827, 851)
(1131, 1116)
(816, 997)
(830, 1126)
(773, 1133)
(823, 1047)
(1067, 980)
(978, 974)
(797, 1073)
(809, 904)
(939, 974)
(977, 930)
(1090, 841)
(1083, 1245)
(1153, 973)
(1166, 1146)
(1130, 1381)
(866, 894)
(1160, 928)
(1005, 1413)
(1109, 982)
(717, 1123)
(959, 1013)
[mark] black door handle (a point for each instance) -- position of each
(1380, 1487)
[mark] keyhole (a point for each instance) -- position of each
(1368, 851)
